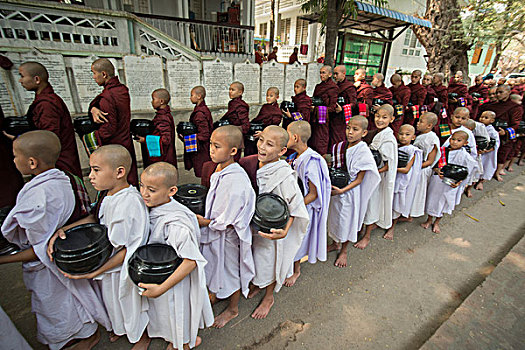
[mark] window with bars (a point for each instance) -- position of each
(301, 32)
(412, 47)
(284, 30)
(263, 30)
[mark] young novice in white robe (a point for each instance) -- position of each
(428, 142)
(226, 240)
(179, 306)
(379, 212)
(312, 171)
(348, 204)
(122, 210)
(442, 198)
(478, 130)
(407, 178)
(10, 338)
(457, 122)
(65, 310)
(489, 157)
(274, 253)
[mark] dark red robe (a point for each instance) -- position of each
(269, 114)
(480, 89)
(430, 99)
(272, 56)
(327, 91)
(11, 181)
(365, 93)
(49, 112)
(462, 91)
(293, 58)
(402, 96)
(165, 128)
(418, 93)
(238, 114)
(381, 92)
(250, 164)
(337, 124)
(208, 168)
(442, 94)
(115, 101)
(258, 58)
(303, 105)
(511, 113)
(201, 117)
(348, 91)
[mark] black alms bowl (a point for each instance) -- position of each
(452, 95)
(254, 127)
(220, 123)
(339, 177)
(271, 211)
(84, 125)
(377, 157)
(500, 124)
(288, 105)
(492, 143)
(402, 159)
(192, 196)
(85, 249)
(378, 102)
(453, 173)
(6, 248)
(317, 101)
(521, 128)
(476, 94)
(153, 263)
(16, 126)
(186, 128)
(341, 101)
(482, 143)
(141, 127)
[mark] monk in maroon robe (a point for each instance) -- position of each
(112, 110)
(456, 86)
(238, 110)
(164, 130)
(201, 117)
(348, 92)
(418, 94)
(269, 114)
(364, 90)
(293, 57)
(49, 112)
(478, 88)
(431, 98)
(440, 89)
(303, 104)
(273, 54)
(327, 90)
(380, 91)
(506, 111)
(400, 96)
(259, 58)
(11, 181)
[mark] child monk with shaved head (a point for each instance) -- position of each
(314, 178)
(112, 110)
(66, 311)
(238, 110)
(273, 255)
(121, 209)
(180, 305)
(49, 112)
(226, 241)
(303, 104)
(160, 145)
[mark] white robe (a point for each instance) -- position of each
(425, 142)
(65, 309)
(311, 167)
(10, 338)
(441, 198)
(380, 205)
(226, 242)
(274, 258)
(490, 159)
(406, 184)
(480, 130)
(126, 217)
(347, 210)
(177, 315)
(475, 173)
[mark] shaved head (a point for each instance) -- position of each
(360, 71)
(430, 117)
(408, 127)
(302, 129)
(462, 133)
(462, 111)
(395, 78)
(470, 124)
(489, 114)
(104, 65)
(42, 145)
(327, 68)
(162, 94)
(115, 156)
(35, 69)
(274, 90)
(238, 85)
(199, 90)
(166, 171)
(359, 120)
(388, 108)
(341, 69)
(301, 82)
(379, 76)
(232, 135)
(280, 133)
(417, 72)
(439, 78)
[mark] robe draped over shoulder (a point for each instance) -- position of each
(381, 92)
(201, 117)
(269, 114)
(165, 128)
(418, 93)
(238, 114)
(407, 184)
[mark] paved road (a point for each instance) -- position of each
(394, 295)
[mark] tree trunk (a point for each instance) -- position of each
(332, 29)
(497, 50)
(447, 53)
(272, 24)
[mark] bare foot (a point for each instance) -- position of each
(341, 259)
(254, 290)
(290, 281)
(498, 178)
(170, 347)
(333, 246)
(436, 228)
(225, 317)
(113, 337)
(510, 169)
(213, 298)
(479, 186)
(468, 192)
(389, 234)
(502, 173)
(426, 224)
(363, 243)
(88, 343)
(264, 307)
(186, 346)
(403, 219)
(143, 342)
